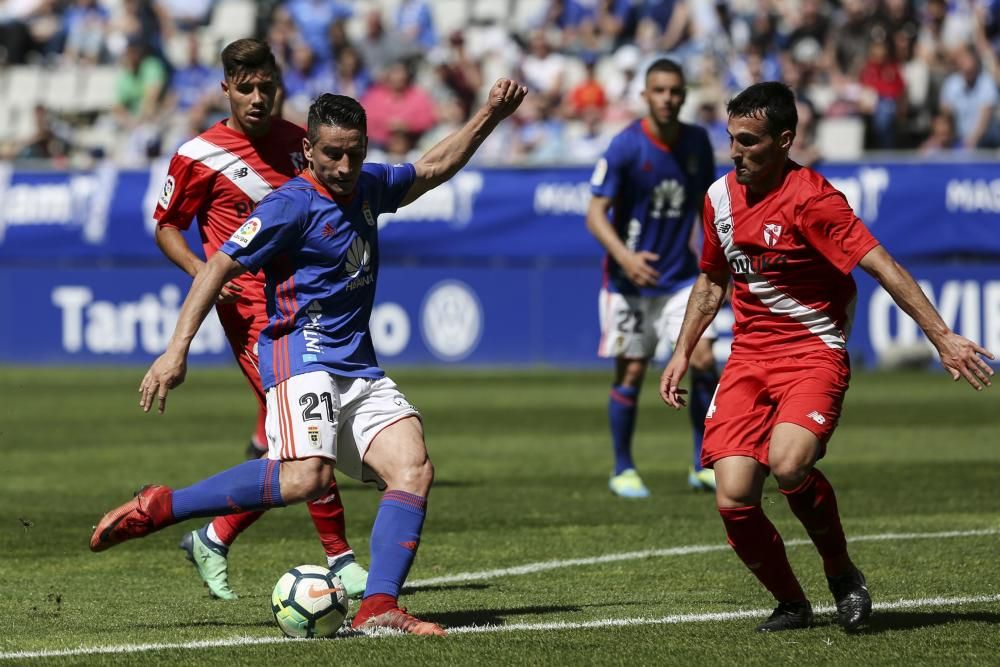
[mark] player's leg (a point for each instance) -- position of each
(739, 483)
(623, 408)
(806, 421)
(327, 513)
(704, 380)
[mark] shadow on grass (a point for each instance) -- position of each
(887, 621)
(469, 586)
(206, 623)
(492, 616)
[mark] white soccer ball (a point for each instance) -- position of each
(309, 601)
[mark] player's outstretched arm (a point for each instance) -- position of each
(453, 152)
(961, 357)
(169, 369)
(703, 305)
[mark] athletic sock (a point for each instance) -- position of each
(251, 485)
(259, 437)
(756, 541)
(815, 505)
(394, 542)
(622, 408)
(335, 562)
(328, 516)
(228, 527)
(703, 385)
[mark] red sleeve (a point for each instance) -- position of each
(185, 190)
(712, 257)
(829, 225)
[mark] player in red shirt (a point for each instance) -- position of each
(218, 177)
(789, 240)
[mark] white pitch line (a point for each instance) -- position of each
(543, 566)
(673, 619)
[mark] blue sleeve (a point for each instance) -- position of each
(393, 182)
(273, 227)
(706, 162)
(611, 169)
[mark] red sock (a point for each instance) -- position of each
(328, 516)
(229, 527)
(815, 505)
(373, 605)
(259, 434)
(756, 541)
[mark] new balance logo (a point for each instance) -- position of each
(816, 417)
(241, 172)
(725, 227)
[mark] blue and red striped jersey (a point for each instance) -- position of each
(320, 259)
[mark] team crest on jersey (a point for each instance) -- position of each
(313, 436)
(367, 211)
(245, 234)
(771, 234)
(168, 191)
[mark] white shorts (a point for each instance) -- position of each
(331, 416)
(643, 327)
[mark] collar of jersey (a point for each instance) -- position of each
(652, 136)
(325, 191)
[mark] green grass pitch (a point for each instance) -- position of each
(522, 462)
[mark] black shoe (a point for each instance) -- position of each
(253, 452)
(788, 616)
(854, 604)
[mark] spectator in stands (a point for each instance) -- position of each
(140, 86)
(44, 24)
(398, 103)
(810, 24)
(380, 48)
(194, 92)
(942, 138)
(350, 77)
(714, 122)
(588, 94)
(970, 94)
(415, 23)
(86, 26)
(587, 139)
(885, 102)
(305, 78)
(458, 75)
(141, 20)
(917, 78)
(187, 15)
(15, 38)
(538, 137)
(313, 19)
(542, 69)
(848, 46)
(50, 141)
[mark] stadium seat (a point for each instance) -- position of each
(99, 88)
(527, 14)
(449, 16)
(232, 19)
(24, 86)
(498, 11)
(62, 89)
(840, 138)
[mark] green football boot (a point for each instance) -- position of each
(213, 567)
(355, 579)
(628, 484)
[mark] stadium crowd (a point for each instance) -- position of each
(82, 80)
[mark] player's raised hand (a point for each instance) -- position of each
(964, 359)
(166, 373)
(505, 97)
(670, 382)
(638, 268)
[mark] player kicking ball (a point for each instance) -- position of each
(218, 177)
(329, 403)
(789, 240)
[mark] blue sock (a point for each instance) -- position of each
(622, 407)
(395, 538)
(703, 385)
(252, 485)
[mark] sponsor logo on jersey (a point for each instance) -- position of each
(758, 263)
(600, 173)
(309, 358)
(311, 331)
(772, 233)
(358, 264)
(367, 211)
(817, 417)
(245, 234)
(168, 192)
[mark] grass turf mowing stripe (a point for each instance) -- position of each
(531, 568)
(480, 629)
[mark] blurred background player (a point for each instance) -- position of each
(219, 177)
(648, 191)
(316, 238)
(790, 241)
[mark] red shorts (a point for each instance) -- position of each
(243, 320)
(753, 396)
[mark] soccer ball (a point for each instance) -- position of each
(309, 601)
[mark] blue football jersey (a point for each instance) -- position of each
(320, 259)
(656, 193)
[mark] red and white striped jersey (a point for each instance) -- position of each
(790, 255)
(221, 175)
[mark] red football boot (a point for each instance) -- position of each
(149, 511)
(374, 617)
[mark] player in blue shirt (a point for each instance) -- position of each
(328, 400)
(648, 191)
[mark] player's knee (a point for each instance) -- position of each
(790, 473)
(306, 479)
(417, 476)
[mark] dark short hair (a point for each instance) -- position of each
(665, 65)
(244, 56)
(773, 99)
(336, 110)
